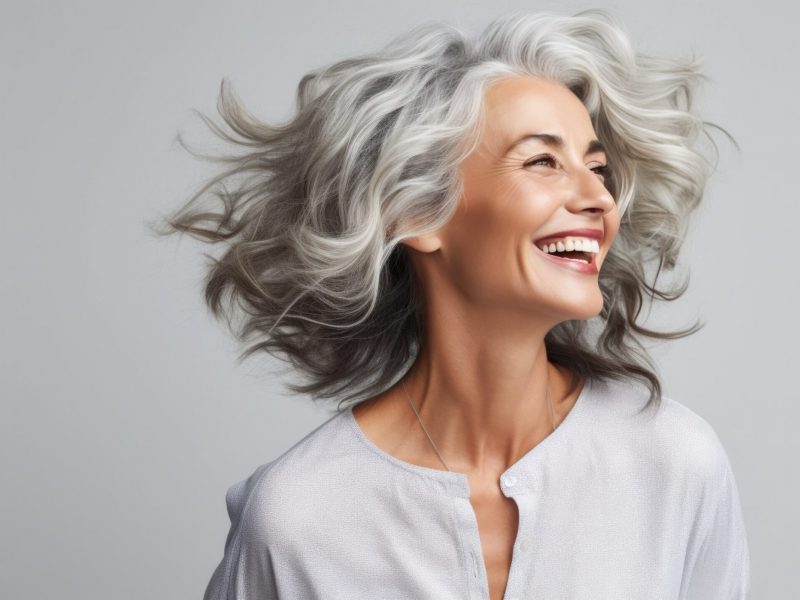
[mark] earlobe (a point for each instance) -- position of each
(423, 243)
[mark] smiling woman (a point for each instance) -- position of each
(451, 238)
(524, 192)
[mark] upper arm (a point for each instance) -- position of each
(718, 560)
(245, 571)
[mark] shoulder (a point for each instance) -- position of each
(292, 484)
(676, 437)
(680, 426)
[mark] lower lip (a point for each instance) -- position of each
(589, 268)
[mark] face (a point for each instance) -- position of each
(537, 172)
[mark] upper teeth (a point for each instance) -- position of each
(572, 244)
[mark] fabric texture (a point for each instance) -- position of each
(614, 504)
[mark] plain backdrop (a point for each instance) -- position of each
(125, 416)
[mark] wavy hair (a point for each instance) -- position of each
(311, 212)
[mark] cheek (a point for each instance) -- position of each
(612, 222)
(533, 204)
(477, 251)
(478, 239)
(491, 221)
(485, 252)
(498, 223)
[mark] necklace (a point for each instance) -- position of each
(430, 439)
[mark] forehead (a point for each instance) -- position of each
(518, 105)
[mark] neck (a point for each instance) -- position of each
(482, 394)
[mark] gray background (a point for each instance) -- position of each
(124, 415)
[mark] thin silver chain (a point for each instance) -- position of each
(430, 439)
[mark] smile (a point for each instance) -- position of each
(578, 260)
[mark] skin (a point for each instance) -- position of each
(490, 298)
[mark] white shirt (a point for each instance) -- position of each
(612, 505)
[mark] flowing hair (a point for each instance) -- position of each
(311, 212)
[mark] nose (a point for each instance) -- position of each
(590, 194)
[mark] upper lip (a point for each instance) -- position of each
(595, 234)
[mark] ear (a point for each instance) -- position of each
(424, 243)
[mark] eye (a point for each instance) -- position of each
(603, 170)
(547, 160)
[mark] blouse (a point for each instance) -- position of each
(616, 503)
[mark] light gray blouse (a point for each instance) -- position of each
(612, 505)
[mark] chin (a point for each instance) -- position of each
(582, 309)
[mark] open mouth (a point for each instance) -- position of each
(586, 262)
(577, 249)
(577, 255)
(581, 261)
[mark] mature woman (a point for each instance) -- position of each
(451, 238)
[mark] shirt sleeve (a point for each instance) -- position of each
(719, 566)
(245, 571)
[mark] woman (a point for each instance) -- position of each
(450, 237)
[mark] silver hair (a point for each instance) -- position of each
(312, 212)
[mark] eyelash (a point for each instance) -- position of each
(603, 170)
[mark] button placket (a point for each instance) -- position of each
(508, 483)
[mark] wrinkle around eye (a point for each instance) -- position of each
(504, 166)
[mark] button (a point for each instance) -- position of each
(509, 481)
(524, 545)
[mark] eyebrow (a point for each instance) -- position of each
(557, 141)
